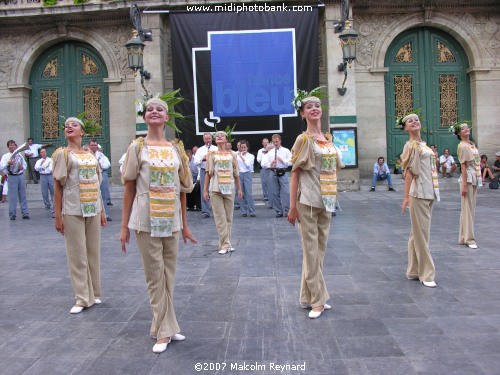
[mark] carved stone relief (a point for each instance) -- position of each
(370, 27)
(483, 26)
(116, 36)
(9, 48)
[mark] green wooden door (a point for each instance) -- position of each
(427, 70)
(68, 79)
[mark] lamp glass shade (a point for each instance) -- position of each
(348, 41)
(135, 51)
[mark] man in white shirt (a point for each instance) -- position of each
(263, 179)
(200, 159)
(278, 160)
(448, 164)
(193, 199)
(44, 167)
(245, 167)
(32, 157)
(104, 165)
(15, 167)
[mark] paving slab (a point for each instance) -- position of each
(241, 310)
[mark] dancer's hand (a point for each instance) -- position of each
(103, 218)
(464, 190)
(187, 235)
(293, 215)
(405, 205)
(206, 197)
(59, 224)
(240, 195)
(124, 238)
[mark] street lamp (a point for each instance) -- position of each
(348, 41)
(135, 46)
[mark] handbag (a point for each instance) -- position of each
(494, 184)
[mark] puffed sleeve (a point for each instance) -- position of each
(303, 153)
(60, 169)
(185, 177)
(464, 153)
(210, 163)
(130, 169)
(411, 158)
(236, 168)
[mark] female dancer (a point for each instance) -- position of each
(156, 177)
(221, 172)
(78, 212)
(470, 179)
(421, 188)
(313, 190)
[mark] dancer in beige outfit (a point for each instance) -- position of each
(470, 178)
(421, 188)
(313, 189)
(221, 176)
(156, 178)
(78, 211)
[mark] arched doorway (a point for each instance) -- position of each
(68, 79)
(427, 70)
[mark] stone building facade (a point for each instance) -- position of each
(443, 57)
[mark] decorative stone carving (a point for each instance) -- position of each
(9, 50)
(483, 28)
(117, 36)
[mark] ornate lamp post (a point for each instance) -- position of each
(135, 46)
(348, 41)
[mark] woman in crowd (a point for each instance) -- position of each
(485, 169)
(470, 179)
(313, 190)
(156, 178)
(421, 188)
(221, 177)
(245, 166)
(78, 213)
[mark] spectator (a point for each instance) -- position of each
(263, 179)
(278, 161)
(44, 167)
(447, 163)
(397, 165)
(496, 166)
(200, 160)
(268, 174)
(15, 165)
(194, 198)
(485, 168)
(381, 172)
(245, 166)
(32, 157)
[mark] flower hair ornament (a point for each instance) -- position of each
(90, 126)
(171, 98)
(400, 121)
(228, 131)
(298, 100)
(455, 128)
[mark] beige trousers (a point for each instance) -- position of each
(83, 246)
(223, 207)
(159, 259)
(419, 256)
(314, 228)
(466, 232)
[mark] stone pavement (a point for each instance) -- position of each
(241, 309)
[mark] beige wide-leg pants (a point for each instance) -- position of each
(159, 259)
(83, 246)
(314, 228)
(223, 207)
(419, 256)
(466, 233)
